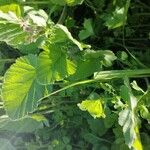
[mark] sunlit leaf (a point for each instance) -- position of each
(94, 107)
(15, 8)
(21, 91)
(53, 65)
(128, 119)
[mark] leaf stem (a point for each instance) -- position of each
(35, 3)
(7, 60)
(63, 15)
(103, 76)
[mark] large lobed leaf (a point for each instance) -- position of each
(21, 91)
(53, 65)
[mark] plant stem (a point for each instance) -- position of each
(35, 3)
(63, 15)
(103, 76)
(7, 60)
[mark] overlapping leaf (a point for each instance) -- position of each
(92, 62)
(20, 32)
(53, 65)
(61, 34)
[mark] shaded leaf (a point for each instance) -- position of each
(27, 124)
(6, 145)
(87, 31)
(136, 87)
(61, 34)
(91, 62)
(116, 19)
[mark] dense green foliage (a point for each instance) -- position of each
(74, 74)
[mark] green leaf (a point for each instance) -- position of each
(110, 118)
(53, 65)
(6, 2)
(94, 107)
(15, 8)
(27, 124)
(97, 126)
(128, 118)
(74, 2)
(144, 112)
(85, 69)
(136, 87)
(6, 145)
(106, 57)
(116, 19)
(61, 34)
(92, 58)
(117, 16)
(145, 98)
(129, 123)
(87, 31)
(20, 90)
(22, 33)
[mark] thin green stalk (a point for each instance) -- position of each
(114, 74)
(142, 14)
(35, 2)
(143, 4)
(123, 37)
(7, 60)
(103, 76)
(63, 15)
